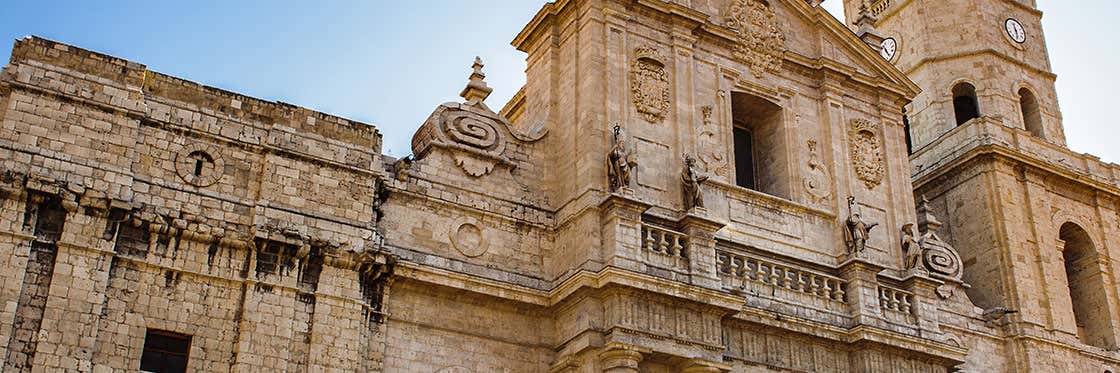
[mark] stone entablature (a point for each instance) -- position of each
(992, 135)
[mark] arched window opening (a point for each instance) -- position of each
(965, 104)
(1032, 115)
(760, 153)
(1086, 287)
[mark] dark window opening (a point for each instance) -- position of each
(1086, 289)
(760, 153)
(965, 104)
(312, 267)
(744, 158)
(1032, 114)
(909, 139)
(165, 352)
(201, 159)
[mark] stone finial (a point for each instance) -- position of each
(927, 222)
(476, 90)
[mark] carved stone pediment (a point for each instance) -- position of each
(761, 44)
(475, 136)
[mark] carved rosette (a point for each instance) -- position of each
(867, 153)
(649, 84)
(817, 177)
(761, 43)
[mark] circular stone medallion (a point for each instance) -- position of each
(469, 239)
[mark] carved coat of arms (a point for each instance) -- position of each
(866, 153)
(761, 42)
(649, 85)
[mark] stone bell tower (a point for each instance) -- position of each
(971, 58)
(1034, 222)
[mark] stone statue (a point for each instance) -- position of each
(691, 177)
(859, 231)
(620, 162)
(911, 249)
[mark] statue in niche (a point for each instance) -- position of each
(620, 162)
(911, 249)
(859, 230)
(692, 177)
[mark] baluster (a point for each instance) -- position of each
(906, 304)
(774, 279)
(787, 282)
(814, 287)
(662, 242)
(759, 274)
(648, 243)
(801, 285)
(677, 248)
(723, 263)
(838, 291)
(827, 285)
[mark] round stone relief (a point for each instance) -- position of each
(469, 239)
(199, 164)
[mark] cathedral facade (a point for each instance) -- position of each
(680, 186)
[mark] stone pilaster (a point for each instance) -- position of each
(863, 290)
(622, 229)
(701, 231)
(924, 304)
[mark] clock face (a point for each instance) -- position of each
(888, 48)
(1015, 30)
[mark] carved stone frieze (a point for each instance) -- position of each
(649, 84)
(761, 42)
(866, 149)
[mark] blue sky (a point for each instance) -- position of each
(390, 63)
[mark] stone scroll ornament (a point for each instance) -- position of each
(649, 84)
(691, 178)
(866, 153)
(620, 162)
(937, 256)
(858, 230)
(761, 44)
(475, 136)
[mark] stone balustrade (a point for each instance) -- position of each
(665, 247)
(740, 271)
(895, 301)
(879, 6)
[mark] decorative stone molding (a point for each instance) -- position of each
(866, 148)
(938, 257)
(761, 42)
(649, 84)
(710, 144)
(199, 164)
(469, 238)
(475, 136)
(817, 178)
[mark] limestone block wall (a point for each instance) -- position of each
(134, 201)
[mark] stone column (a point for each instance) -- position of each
(621, 215)
(924, 304)
(619, 358)
(701, 232)
(863, 290)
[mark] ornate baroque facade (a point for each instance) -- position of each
(680, 186)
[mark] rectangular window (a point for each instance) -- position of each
(744, 158)
(761, 155)
(165, 352)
